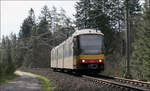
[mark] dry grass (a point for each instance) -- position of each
(7, 78)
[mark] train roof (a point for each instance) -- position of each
(80, 32)
(87, 31)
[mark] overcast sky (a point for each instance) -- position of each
(14, 12)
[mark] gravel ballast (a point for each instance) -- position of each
(67, 82)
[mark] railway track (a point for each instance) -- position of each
(120, 84)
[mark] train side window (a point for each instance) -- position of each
(70, 49)
(76, 46)
(52, 56)
(65, 50)
(59, 53)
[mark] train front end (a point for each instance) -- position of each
(89, 52)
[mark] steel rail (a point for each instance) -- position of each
(134, 82)
(110, 82)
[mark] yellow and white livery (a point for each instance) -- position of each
(82, 52)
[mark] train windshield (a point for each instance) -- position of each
(91, 44)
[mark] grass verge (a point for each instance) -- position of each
(45, 83)
(7, 78)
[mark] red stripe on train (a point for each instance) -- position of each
(91, 61)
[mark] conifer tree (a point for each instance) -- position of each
(27, 25)
(82, 8)
(45, 20)
(141, 52)
(92, 14)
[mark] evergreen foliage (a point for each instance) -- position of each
(109, 17)
(44, 34)
(141, 45)
(91, 14)
(8, 60)
(36, 39)
(38, 36)
(27, 25)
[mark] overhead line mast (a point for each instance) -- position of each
(127, 74)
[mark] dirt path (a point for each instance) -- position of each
(67, 82)
(26, 82)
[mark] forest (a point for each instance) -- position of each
(38, 35)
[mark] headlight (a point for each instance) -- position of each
(83, 61)
(100, 60)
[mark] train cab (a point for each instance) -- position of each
(89, 50)
(82, 52)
